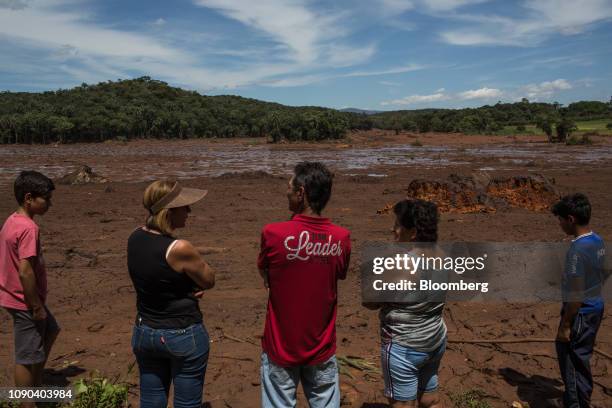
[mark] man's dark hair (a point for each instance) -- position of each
(421, 215)
(576, 205)
(317, 182)
(32, 182)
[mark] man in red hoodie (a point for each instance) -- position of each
(301, 261)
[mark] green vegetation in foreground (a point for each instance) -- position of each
(100, 393)
(469, 399)
(92, 392)
(147, 108)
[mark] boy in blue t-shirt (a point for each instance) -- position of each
(583, 304)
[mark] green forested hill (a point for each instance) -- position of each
(144, 107)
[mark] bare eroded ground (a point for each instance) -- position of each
(84, 237)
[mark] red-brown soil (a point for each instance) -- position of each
(84, 237)
(479, 193)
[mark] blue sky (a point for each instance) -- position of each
(371, 54)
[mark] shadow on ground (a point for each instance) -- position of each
(60, 378)
(537, 390)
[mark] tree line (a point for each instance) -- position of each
(148, 108)
(489, 118)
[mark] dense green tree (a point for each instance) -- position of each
(564, 129)
(546, 126)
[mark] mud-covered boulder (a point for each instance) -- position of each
(457, 193)
(82, 175)
(533, 192)
(479, 192)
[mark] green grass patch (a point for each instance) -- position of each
(599, 126)
(469, 399)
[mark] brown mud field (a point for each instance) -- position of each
(84, 239)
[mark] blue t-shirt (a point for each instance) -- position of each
(585, 259)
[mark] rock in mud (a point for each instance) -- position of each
(479, 192)
(460, 194)
(534, 192)
(83, 175)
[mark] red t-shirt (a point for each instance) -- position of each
(19, 239)
(304, 257)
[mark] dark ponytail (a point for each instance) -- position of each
(421, 215)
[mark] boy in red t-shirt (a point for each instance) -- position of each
(301, 261)
(23, 279)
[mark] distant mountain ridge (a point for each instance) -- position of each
(360, 111)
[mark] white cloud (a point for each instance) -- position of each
(290, 23)
(390, 83)
(86, 51)
(391, 7)
(440, 95)
(447, 5)
(337, 55)
(464, 37)
(544, 89)
(389, 71)
(55, 29)
(417, 99)
(571, 16)
(542, 19)
(294, 81)
(541, 91)
(482, 93)
(301, 80)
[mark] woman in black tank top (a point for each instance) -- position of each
(169, 275)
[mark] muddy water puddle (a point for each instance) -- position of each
(141, 161)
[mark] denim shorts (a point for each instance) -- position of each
(408, 372)
(321, 384)
(31, 336)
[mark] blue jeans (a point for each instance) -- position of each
(408, 372)
(171, 355)
(574, 360)
(279, 384)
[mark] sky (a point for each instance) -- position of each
(369, 54)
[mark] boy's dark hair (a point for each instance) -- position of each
(32, 182)
(576, 205)
(421, 215)
(317, 182)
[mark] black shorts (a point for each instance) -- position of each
(31, 336)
